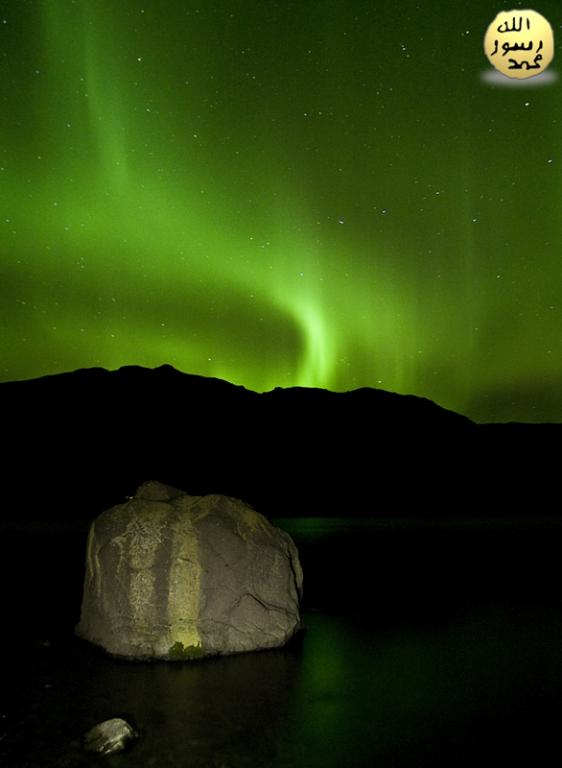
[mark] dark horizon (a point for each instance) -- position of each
(294, 452)
(170, 367)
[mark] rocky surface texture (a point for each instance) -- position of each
(109, 737)
(172, 576)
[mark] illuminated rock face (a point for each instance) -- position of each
(172, 576)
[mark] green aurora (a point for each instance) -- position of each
(325, 193)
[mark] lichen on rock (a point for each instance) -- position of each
(180, 652)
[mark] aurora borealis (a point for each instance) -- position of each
(327, 193)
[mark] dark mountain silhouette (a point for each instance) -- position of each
(76, 443)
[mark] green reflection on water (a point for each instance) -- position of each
(440, 692)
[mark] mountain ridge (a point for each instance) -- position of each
(289, 452)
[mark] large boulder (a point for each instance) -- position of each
(172, 576)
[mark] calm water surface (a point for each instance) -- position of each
(426, 644)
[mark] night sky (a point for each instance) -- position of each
(331, 193)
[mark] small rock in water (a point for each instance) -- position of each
(109, 737)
